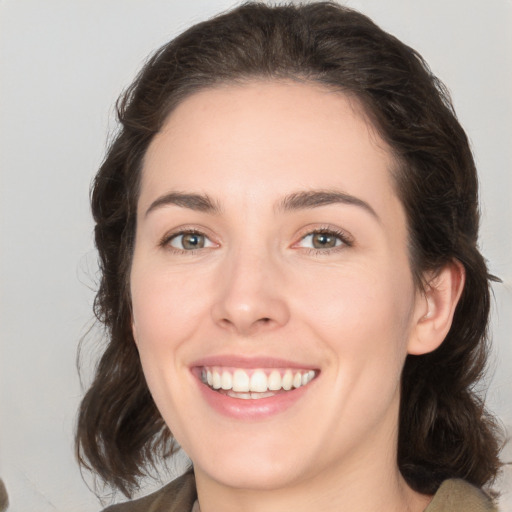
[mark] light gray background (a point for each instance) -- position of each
(62, 65)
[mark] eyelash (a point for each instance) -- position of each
(168, 238)
(345, 238)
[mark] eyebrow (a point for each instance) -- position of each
(296, 201)
(317, 198)
(197, 202)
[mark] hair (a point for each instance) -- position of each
(444, 429)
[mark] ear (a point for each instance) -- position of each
(134, 330)
(435, 308)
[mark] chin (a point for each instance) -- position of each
(258, 474)
(265, 463)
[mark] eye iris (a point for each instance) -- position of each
(323, 240)
(192, 241)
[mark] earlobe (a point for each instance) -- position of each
(436, 307)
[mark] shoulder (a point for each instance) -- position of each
(177, 496)
(456, 495)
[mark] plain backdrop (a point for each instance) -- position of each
(62, 65)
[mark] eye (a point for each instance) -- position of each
(189, 241)
(324, 240)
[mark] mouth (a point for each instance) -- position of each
(254, 384)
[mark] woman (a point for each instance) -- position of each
(287, 225)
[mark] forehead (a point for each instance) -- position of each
(233, 140)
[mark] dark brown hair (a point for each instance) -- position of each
(444, 429)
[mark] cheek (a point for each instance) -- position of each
(165, 316)
(166, 308)
(363, 312)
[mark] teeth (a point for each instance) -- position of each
(216, 384)
(226, 380)
(249, 396)
(287, 380)
(308, 377)
(257, 383)
(240, 381)
(274, 381)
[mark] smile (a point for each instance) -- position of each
(255, 384)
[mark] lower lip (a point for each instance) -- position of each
(252, 409)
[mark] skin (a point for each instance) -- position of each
(259, 288)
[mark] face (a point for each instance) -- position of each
(273, 301)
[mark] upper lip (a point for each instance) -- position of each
(237, 361)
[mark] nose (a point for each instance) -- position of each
(251, 295)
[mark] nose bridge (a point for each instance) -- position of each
(251, 296)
